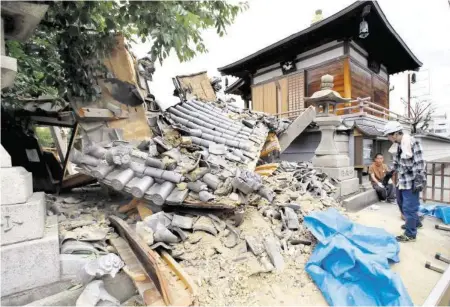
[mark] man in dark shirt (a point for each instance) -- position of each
(377, 172)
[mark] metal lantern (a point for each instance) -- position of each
(363, 29)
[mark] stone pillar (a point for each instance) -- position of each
(8, 64)
(329, 160)
(29, 249)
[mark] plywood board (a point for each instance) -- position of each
(198, 85)
(258, 98)
(284, 93)
(270, 98)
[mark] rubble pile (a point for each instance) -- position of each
(227, 220)
(200, 154)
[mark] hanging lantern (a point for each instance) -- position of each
(363, 29)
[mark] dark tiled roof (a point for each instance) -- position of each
(193, 129)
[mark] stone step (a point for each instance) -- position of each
(121, 287)
(347, 187)
(16, 185)
(30, 264)
(23, 222)
(35, 294)
(5, 158)
(361, 200)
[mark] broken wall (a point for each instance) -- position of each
(110, 112)
(197, 85)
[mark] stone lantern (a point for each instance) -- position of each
(326, 99)
(327, 157)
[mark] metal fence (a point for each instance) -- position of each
(438, 183)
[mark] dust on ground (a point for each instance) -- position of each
(235, 276)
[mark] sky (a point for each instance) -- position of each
(423, 25)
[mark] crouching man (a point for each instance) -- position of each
(410, 168)
(379, 176)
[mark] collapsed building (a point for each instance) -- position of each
(198, 209)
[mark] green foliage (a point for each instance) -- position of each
(44, 136)
(64, 56)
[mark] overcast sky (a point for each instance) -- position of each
(423, 25)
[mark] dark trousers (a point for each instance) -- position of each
(408, 203)
(386, 193)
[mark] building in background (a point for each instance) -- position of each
(440, 125)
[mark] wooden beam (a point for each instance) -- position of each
(60, 144)
(347, 83)
(66, 159)
(149, 259)
(347, 79)
(98, 113)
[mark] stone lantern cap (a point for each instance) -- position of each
(326, 92)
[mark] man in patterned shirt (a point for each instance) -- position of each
(410, 168)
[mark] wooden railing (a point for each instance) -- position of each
(363, 106)
(438, 183)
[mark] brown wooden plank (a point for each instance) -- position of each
(76, 180)
(149, 259)
(284, 95)
(347, 79)
(258, 98)
(145, 286)
(270, 98)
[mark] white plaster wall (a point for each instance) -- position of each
(329, 55)
(268, 75)
(434, 149)
(320, 48)
(323, 57)
(276, 65)
(362, 59)
(357, 56)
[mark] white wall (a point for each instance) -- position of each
(360, 55)
(320, 58)
(434, 149)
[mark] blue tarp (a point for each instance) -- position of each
(437, 210)
(350, 263)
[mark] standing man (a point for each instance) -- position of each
(379, 176)
(411, 176)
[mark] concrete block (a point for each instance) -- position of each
(5, 158)
(35, 294)
(360, 201)
(32, 263)
(347, 187)
(72, 264)
(22, 222)
(16, 185)
(63, 298)
(121, 287)
(338, 173)
(9, 71)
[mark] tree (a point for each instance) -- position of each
(64, 56)
(421, 112)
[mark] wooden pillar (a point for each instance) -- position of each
(347, 83)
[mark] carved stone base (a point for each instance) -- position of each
(30, 264)
(16, 185)
(331, 161)
(22, 222)
(341, 173)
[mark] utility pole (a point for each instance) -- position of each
(409, 96)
